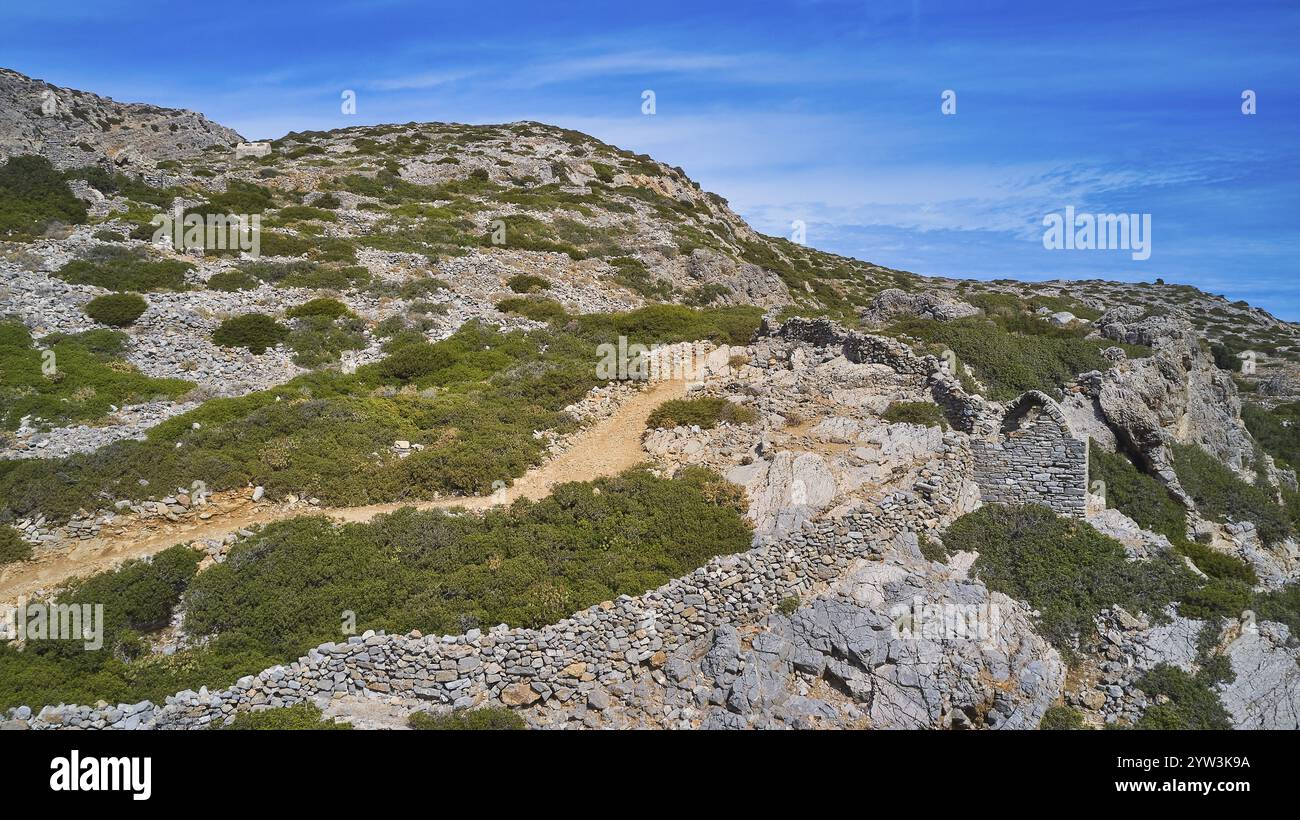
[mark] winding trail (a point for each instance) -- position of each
(608, 447)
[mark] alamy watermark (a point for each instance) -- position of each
(945, 622)
(53, 622)
(628, 361)
(1105, 232)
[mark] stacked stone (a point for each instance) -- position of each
(1039, 463)
(584, 655)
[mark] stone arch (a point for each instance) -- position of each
(1028, 406)
(1033, 458)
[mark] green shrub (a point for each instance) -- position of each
(299, 717)
(232, 280)
(1192, 703)
(1011, 356)
(1063, 568)
(240, 197)
(87, 379)
(539, 310)
(706, 412)
(318, 339)
(1061, 718)
(527, 283)
(1219, 494)
(481, 719)
(255, 331)
(12, 547)
(931, 550)
(307, 274)
(915, 412)
(1147, 502)
(632, 274)
(1281, 605)
(33, 196)
(1276, 430)
(117, 310)
(788, 606)
(137, 598)
(1136, 494)
(331, 308)
(122, 269)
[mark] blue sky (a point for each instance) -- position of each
(826, 112)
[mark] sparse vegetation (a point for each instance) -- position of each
(254, 331)
(33, 196)
(12, 547)
(705, 412)
(527, 283)
(485, 718)
(915, 412)
(122, 269)
(117, 309)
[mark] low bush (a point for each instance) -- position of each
(122, 269)
(307, 274)
(117, 309)
(33, 195)
(527, 283)
(330, 308)
(1276, 430)
(299, 717)
(915, 412)
(255, 331)
(1059, 718)
(1221, 495)
(83, 379)
(1063, 568)
(12, 547)
(1193, 704)
(539, 310)
(318, 338)
(232, 280)
(137, 598)
(482, 719)
(707, 412)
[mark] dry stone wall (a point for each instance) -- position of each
(603, 645)
(1034, 459)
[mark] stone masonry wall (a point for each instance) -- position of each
(600, 646)
(1038, 462)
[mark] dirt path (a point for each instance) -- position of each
(606, 448)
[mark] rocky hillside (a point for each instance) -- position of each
(76, 128)
(857, 465)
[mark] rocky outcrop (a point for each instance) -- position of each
(1175, 395)
(75, 128)
(1265, 690)
(893, 303)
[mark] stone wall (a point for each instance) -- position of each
(603, 645)
(1033, 459)
(965, 412)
